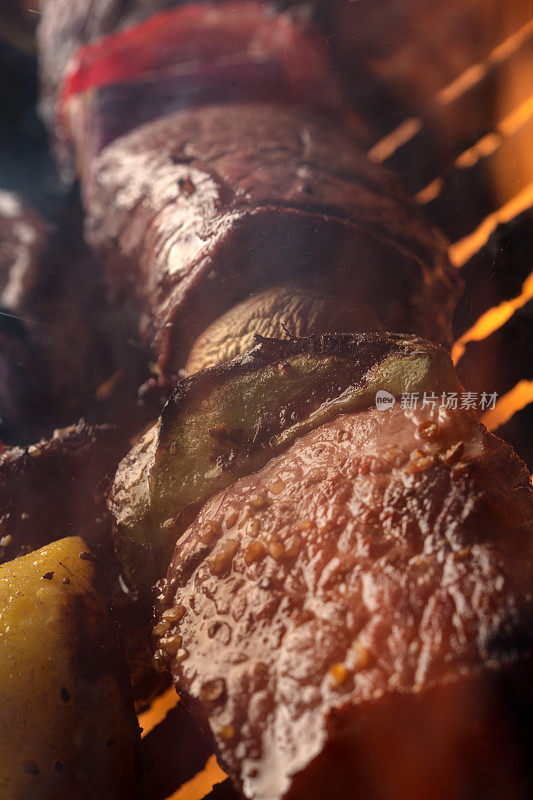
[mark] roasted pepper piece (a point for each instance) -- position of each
(229, 420)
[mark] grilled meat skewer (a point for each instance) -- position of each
(194, 211)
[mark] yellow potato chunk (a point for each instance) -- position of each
(67, 727)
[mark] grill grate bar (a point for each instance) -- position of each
(202, 783)
(157, 711)
(507, 406)
(497, 272)
(493, 319)
(173, 753)
(387, 146)
(485, 147)
(463, 250)
(474, 75)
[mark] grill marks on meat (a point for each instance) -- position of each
(216, 202)
(367, 594)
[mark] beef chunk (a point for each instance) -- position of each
(213, 203)
(360, 622)
(56, 488)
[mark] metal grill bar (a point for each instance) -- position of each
(158, 710)
(485, 147)
(473, 76)
(518, 398)
(202, 783)
(463, 250)
(493, 319)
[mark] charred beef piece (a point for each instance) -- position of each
(217, 202)
(354, 620)
(56, 488)
(229, 420)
